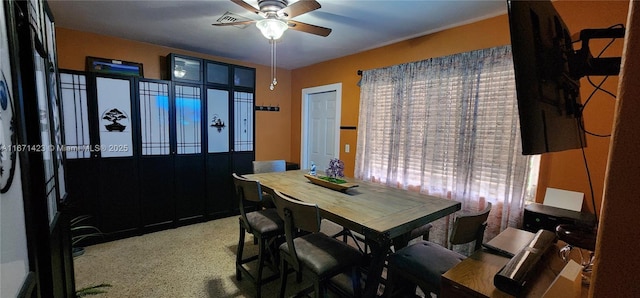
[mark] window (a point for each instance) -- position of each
(447, 127)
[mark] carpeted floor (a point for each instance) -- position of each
(191, 261)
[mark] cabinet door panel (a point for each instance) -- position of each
(118, 176)
(157, 203)
(154, 118)
(189, 164)
(221, 199)
(118, 195)
(81, 170)
(217, 73)
(188, 123)
(243, 121)
(190, 187)
(242, 162)
(114, 117)
(218, 117)
(45, 136)
(244, 77)
(75, 115)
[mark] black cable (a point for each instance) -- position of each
(580, 123)
(593, 197)
(598, 87)
(580, 120)
(601, 89)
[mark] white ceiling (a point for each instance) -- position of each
(357, 25)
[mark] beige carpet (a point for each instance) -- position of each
(190, 261)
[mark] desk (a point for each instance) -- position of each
(473, 277)
(378, 212)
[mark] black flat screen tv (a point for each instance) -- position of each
(548, 95)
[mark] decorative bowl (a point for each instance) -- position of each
(322, 181)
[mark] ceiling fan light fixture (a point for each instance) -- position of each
(272, 28)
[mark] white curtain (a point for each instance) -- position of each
(448, 127)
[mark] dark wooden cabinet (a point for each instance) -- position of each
(32, 168)
(158, 153)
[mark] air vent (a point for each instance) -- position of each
(229, 17)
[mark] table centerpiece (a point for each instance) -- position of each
(333, 179)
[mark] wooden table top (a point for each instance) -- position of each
(370, 207)
(475, 274)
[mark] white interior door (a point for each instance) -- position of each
(320, 125)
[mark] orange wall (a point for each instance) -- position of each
(564, 170)
(272, 128)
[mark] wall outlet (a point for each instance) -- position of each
(347, 148)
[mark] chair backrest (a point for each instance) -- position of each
(304, 216)
(296, 215)
(246, 190)
(266, 166)
(470, 226)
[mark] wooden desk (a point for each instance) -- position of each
(473, 277)
(378, 212)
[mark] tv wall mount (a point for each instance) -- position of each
(582, 63)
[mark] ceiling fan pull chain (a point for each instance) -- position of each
(274, 82)
(271, 45)
(275, 59)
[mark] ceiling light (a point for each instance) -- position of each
(272, 28)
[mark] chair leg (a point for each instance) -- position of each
(355, 282)
(272, 249)
(261, 252)
(283, 276)
(389, 287)
(318, 289)
(397, 287)
(239, 253)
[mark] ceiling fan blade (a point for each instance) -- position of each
(298, 8)
(246, 6)
(234, 23)
(313, 29)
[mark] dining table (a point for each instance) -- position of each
(379, 212)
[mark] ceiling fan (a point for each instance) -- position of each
(278, 16)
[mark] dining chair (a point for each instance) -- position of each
(267, 166)
(316, 255)
(422, 263)
(266, 227)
